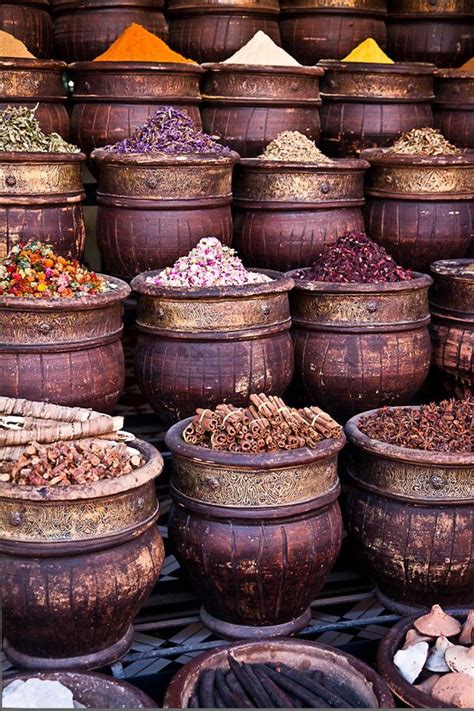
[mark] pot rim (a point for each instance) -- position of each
(41, 157)
(421, 281)
(281, 283)
(139, 67)
(93, 490)
(403, 454)
(222, 67)
(265, 460)
(424, 68)
(101, 156)
(336, 165)
(452, 73)
(447, 267)
(31, 63)
(68, 5)
(82, 303)
(379, 156)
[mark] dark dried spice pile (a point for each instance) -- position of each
(355, 259)
(447, 427)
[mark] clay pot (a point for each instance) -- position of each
(41, 197)
(248, 106)
(65, 552)
(113, 99)
(83, 29)
(370, 105)
(202, 347)
(213, 30)
(329, 29)
(437, 31)
(359, 346)
(295, 653)
(454, 106)
(161, 206)
(420, 209)
(66, 351)
(286, 213)
(256, 533)
(409, 516)
(452, 326)
(29, 21)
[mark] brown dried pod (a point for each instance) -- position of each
(460, 659)
(455, 689)
(467, 633)
(437, 623)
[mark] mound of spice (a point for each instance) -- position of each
(34, 270)
(12, 47)
(209, 264)
(266, 425)
(262, 50)
(368, 52)
(468, 66)
(447, 427)
(355, 259)
(136, 44)
(423, 142)
(20, 131)
(169, 131)
(294, 147)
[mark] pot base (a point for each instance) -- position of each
(405, 610)
(231, 631)
(85, 662)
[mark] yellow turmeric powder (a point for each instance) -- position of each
(368, 51)
(10, 46)
(468, 66)
(136, 44)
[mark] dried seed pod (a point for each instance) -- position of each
(413, 637)
(427, 685)
(467, 632)
(437, 623)
(455, 689)
(436, 659)
(460, 659)
(411, 661)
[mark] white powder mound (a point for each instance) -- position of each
(262, 50)
(38, 694)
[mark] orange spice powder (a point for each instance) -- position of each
(136, 44)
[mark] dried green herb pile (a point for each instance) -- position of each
(424, 142)
(294, 147)
(20, 132)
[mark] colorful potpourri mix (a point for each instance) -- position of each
(209, 264)
(35, 271)
(355, 259)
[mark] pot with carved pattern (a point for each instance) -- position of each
(410, 515)
(454, 106)
(77, 563)
(65, 350)
(257, 533)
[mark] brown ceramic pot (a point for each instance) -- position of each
(113, 99)
(248, 106)
(409, 514)
(65, 351)
(452, 326)
(329, 29)
(257, 533)
(370, 105)
(454, 106)
(296, 653)
(41, 197)
(213, 30)
(29, 21)
(83, 29)
(437, 31)
(286, 213)
(161, 206)
(359, 346)
(420, 209)
(198, 348)
(77, 564)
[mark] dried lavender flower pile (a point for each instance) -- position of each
(20, 131)
(423, 142)
(209, 264)
(447, 427)
(294, 147)
(170, 131)
(355, 259)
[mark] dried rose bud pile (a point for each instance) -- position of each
(209, 264)
(34, 270)
(355, 259)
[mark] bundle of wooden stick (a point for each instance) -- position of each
(266, 425)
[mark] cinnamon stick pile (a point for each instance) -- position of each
(266, 425)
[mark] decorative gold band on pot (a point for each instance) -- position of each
(430, 6)
(370, 83)
(457, 181)
(32, 79)
(22, 181)
(246, 6)
(361, 5)
(454, 90)
(261, 86)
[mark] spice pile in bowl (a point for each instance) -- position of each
(438, 654)
(20, 132)
(266, 425)
(294, 147)
(137, 44)
(423, 142)
(261, 50)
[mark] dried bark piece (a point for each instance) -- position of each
(411, 661)
(460, 659)
(455, 689)
(467, 633)
(437, 623)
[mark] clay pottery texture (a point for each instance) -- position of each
(370, 105)
(83, 29)
(249, 106)
(213, 30)
(65, 351)
(454, 106)
(452, 326)
(154, 209)
(437, 31)
(286, 213)
(256, 534)
(420, 209)
(66, 552)
(41, 197)
(329, 29)
(30, 22)
(295, 653)
(409, 514)
(202, 347)
(112, 99)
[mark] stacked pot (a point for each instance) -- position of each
(30, 22)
